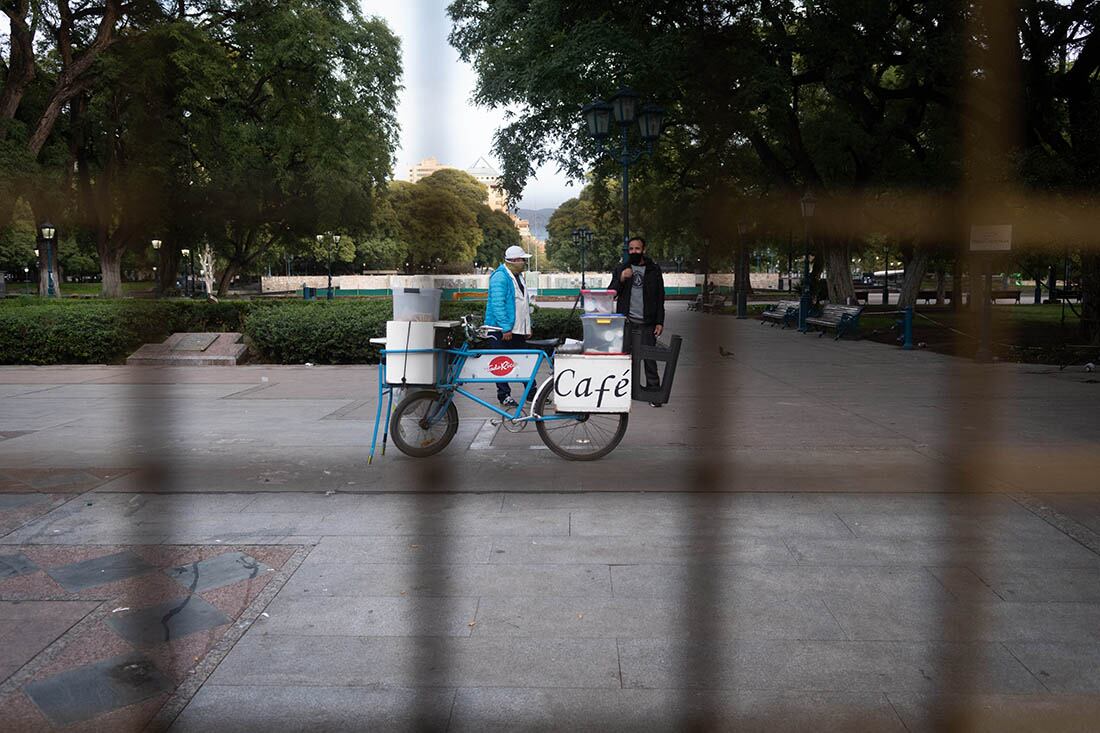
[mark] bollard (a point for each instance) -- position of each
(908, 329)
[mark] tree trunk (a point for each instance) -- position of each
(110, 266)
(914, 276)
(1090, 296)
(941, 284)
(838, 274)
(228, 274)
(956, 285)
(43, 287)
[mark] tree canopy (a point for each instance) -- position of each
(859, 101)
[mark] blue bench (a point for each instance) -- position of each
(785, 312)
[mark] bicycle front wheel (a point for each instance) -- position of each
(421, 426)
(578, 436)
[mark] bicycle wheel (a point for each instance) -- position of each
(580, 436)
(420, 427)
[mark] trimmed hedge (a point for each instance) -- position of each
(33, 331)
(102, 331)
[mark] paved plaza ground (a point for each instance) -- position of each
(812, 535)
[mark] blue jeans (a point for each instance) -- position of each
(504, 390)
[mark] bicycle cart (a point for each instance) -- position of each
(580, 411)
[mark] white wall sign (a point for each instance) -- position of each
(588, 383)
(996, 238)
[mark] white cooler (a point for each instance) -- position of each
(411, 368)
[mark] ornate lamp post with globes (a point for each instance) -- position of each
(625, 110)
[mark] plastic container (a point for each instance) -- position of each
(419, 368)
(604, 333)
(599, 301)
(416, 304)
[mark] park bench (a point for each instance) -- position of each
(714, 305)
(929, 295)
(1005, 295)
(469, 295)
(785, 312)
(843, 318)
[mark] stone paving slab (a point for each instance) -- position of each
(507, 709)
(233, 709)
(628, 550)
(681, 524)
(726, 583)
(889, 620)
(405, 549)
(99, 571)
(17, 564)
(851, 666)
(167, 621)
(365, 616)
(327, 578)
(1036, 585)
(86, 692)
(215, 572)
(748, 617)
(1002, 713)
(420, 661)
(1062, 667)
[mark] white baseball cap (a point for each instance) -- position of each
(515, 252)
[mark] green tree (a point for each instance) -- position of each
(472, 192)
(498, 233)
(438, 227)
(606, 248)
(381, 253)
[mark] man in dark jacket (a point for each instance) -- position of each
(640, 293)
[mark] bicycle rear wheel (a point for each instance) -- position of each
(578, 436)
(420, 426)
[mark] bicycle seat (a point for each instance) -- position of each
(542, 343)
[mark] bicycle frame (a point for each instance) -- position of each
(451, 384)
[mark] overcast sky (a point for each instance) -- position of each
(436, 115)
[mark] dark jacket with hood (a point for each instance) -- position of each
(653, 292)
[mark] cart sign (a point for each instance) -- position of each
(997, 238)
(502, 366)
(592, 383)
(516, 368)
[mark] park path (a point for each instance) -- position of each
(812, 535)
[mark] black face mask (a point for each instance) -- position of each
(636, 258)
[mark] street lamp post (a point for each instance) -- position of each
(624, 107)
(156, 278)
(47, 232)
(188, 282)
(886, 275)
(742, 271)
(806, 301)
(582, 237)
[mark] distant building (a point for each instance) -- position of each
(480, 170)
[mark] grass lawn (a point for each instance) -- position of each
(1021, 333)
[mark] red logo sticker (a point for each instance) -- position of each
(501, 366)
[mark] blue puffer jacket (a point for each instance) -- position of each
(500, 309)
